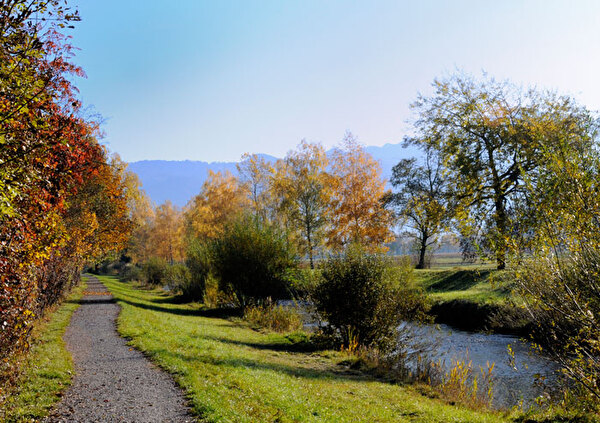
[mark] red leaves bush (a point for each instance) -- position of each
(62, 201)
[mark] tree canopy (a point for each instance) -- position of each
(490, 136)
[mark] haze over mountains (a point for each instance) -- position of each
(179, 181)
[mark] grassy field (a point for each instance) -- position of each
(233, 373)
(47, 369)
(480, 284)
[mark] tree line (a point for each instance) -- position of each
(321, 203)
(63, 199)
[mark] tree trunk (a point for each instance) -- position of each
(501, 228)
(310, 247)
(422, 251)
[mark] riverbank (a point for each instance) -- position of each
(231, 372)
(473, 299)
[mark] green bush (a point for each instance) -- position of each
(177, 277)
(154, 271)
(364, 299)
(198, 262)
(562, 298)
(253, 261)
(132, 272)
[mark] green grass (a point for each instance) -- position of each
(48, 367)
(233, 373)
(481, 285)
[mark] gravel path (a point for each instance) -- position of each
(113, 382)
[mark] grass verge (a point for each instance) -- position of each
(233, 373)
(48, 367)
(478, 285)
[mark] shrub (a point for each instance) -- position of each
(132, 272)
(561, 296)
(154, 271)
(253, 261)
(364, 300)
(198, 262)
(277, 318)
(177, 277)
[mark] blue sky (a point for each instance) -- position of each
(210, 80)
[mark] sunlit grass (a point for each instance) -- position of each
(233, 373)
(478, 284)
(48, 368)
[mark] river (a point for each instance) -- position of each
(527, 377)
(513, 382)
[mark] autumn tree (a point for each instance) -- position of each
(302, 185)
(356, 207)
(421, 200)
(255, 175)
(61, 199)
(220, 200)
(490, 135)
(142, 217)
(167, 233)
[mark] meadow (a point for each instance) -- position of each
(231, 372)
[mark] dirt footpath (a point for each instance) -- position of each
(113, 382)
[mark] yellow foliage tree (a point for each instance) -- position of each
(356, 207)
(220, 200)
(255, 180)
(302, 187)
(166, 235)
(142, 216)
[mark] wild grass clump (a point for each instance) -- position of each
(274, 317)
(462, 383)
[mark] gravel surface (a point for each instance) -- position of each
(113, 382)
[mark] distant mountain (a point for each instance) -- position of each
(179, 181)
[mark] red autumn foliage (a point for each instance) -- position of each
(62, 201)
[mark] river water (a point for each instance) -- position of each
(524, 378)
(519, 380)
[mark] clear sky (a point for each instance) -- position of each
(210, 80)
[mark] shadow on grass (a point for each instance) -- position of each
(248, 363)
(220, 312)
(460, 280)
(286, 344)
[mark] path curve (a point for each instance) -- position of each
(113, 382)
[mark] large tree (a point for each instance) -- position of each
(490, 136)
(255, 177)
(301, 183)
(220, 200)
(357, 207)
(421, 200)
